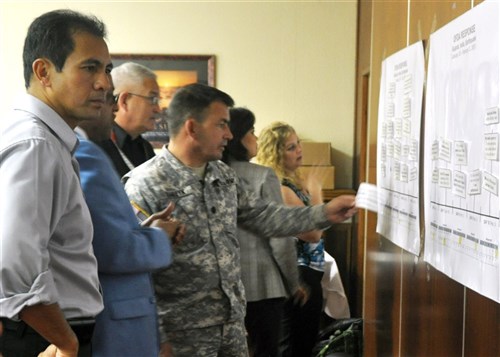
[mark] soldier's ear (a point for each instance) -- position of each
(191, 126)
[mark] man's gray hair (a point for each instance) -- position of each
(130, 74)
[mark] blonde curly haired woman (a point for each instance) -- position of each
(280, 149)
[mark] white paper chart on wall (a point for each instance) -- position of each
(461, 152)
(398, 145)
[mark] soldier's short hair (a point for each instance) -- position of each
(191, 101)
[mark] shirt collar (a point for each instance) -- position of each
(120, 134)
(81, 134)
(211, 171)
(49, 117)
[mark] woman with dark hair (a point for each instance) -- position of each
(268, 265)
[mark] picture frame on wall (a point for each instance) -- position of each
(173, 72)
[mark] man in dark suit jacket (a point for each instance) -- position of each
(138, 109)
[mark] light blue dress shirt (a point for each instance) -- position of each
(46, 253)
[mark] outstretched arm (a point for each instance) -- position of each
(340, 208)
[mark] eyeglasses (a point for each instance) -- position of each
(154, 100)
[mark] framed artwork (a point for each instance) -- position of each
(173, 72)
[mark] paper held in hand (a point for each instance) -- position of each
(367, 197)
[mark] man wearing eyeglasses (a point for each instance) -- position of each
(138, 95)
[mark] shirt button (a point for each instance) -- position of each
(214, 210)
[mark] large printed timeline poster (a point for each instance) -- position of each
(398, 146)
(461, 150)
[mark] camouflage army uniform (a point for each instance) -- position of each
(202, 287)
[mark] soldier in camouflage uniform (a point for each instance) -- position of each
(201, 299)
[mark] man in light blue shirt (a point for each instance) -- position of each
(49, 288)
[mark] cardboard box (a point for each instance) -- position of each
(324, 174)
(316, 153)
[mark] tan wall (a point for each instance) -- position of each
(410, 308)
(292, 61)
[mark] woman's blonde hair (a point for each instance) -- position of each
(271, 144)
